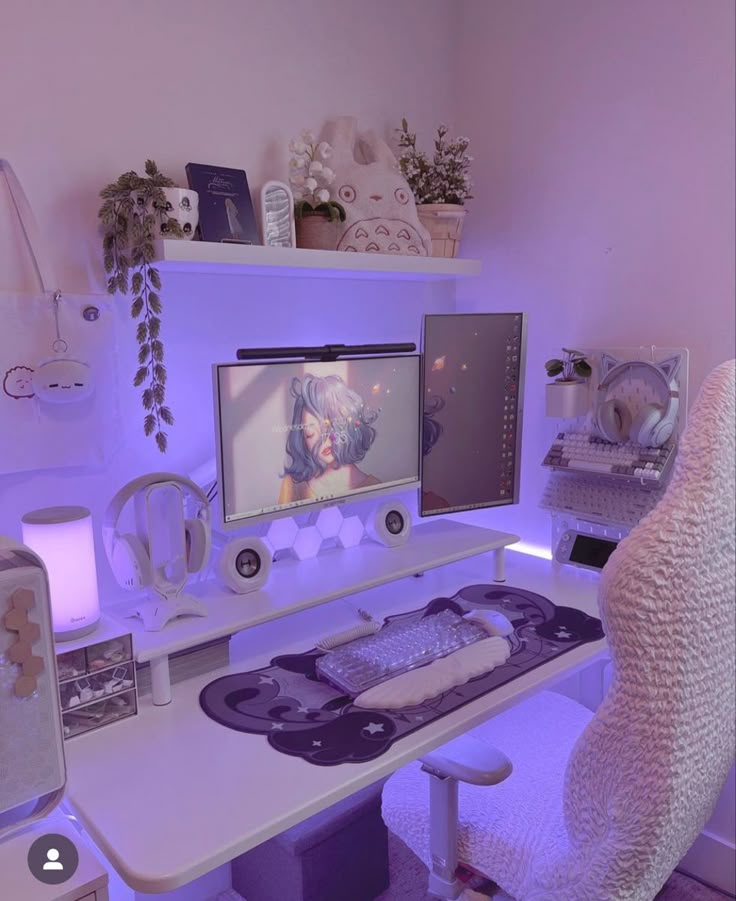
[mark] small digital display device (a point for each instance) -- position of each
(472, 389)
(589, 550)
(294, 435)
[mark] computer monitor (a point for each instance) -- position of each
(294, 436)
(473, 380)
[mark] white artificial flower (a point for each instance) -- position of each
(328, 176)
(323, 195)
(315, 167)
(298, 180)
(298, 193)
(310, 184)
(294, 163)
(324, 150)
(308, 136)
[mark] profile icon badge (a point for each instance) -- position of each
(53, 859)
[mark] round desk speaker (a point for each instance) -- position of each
(245, 564)
(391, 524)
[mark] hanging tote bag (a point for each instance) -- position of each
(58, 385)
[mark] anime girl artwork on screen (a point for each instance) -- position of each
(331, 431)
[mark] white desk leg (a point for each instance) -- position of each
(160, 681)
(499, 565)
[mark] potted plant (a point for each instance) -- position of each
(316, 213)
(441, 185)
(135, 211)
(567, 396)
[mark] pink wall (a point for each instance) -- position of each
(96, 91)
(603, 134)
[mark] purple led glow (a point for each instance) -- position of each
(351, 532)
(307, 543)
(328, 522)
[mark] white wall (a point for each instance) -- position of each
(603, 134)
(97, 88)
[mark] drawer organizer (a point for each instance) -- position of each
(97, 685)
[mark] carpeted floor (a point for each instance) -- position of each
(409, 881)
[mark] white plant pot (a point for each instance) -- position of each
(567, 400)
(181, 205)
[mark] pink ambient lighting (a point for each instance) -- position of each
(62, 537)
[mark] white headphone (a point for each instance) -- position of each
(128, 555)
(654, 424)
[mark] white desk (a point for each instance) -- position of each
(170, 794)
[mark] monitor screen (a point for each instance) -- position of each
(472, 390)
(295, 434)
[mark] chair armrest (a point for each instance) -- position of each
(468, 760)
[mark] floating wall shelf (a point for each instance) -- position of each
(250, 259)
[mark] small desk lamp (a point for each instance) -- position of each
(62, 537)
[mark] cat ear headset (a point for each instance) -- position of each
(654, 423)
(128, 554)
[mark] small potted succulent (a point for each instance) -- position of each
(316, 212)
(441, 185)
(567, 396)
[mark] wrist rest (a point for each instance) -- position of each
(418, 685)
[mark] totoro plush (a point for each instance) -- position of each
(381, 215)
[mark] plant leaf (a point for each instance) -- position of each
(136, 308)
(149, 423)
(147, 397)
(161, 441)
(140, 376)
(166, 415)
(144, 352)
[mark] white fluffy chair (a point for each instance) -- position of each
(603, 807)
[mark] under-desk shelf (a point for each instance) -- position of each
(209, 257)
(295, 585)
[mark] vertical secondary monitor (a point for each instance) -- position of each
(472, 388)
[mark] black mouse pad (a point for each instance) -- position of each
(305, 717)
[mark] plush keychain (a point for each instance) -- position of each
(57, 380)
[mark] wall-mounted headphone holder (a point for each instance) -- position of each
(624, 387)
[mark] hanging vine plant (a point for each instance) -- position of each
(129, 213)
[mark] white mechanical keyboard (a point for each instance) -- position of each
(396, 649)
(599, 500)
(582, 452)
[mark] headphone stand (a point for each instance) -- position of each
(156, 611)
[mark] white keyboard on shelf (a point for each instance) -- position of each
(582, 452)
(599, 500)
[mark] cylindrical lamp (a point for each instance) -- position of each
(62, 537)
